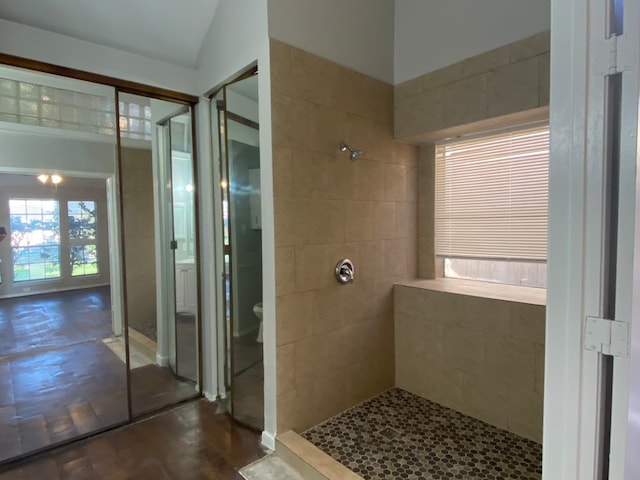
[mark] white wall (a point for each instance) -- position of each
(238, 38)
(431, 34)
(24, 152)
(357, 34)
(37, 44)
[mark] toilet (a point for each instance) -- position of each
(257, 310)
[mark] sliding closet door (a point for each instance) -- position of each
(62, 354)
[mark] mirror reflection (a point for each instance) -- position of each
(238, 131)
(65, 226)
(160, 254)
(62, 355)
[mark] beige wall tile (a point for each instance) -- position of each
(457, 350)
(310, 174)
(512, 361)
(296, 315)
(358, 221)
(396, 256)
(412, 257)
(421, 113)
(406, 220)
(369, 180)
(447, 98)
(326, 125)
(426, 257)
(285, 270)
(449, 74)
(482, 403)
(327, 207)
(485, 62)
(374, 138)
(405, 154)
(340, 306)
(282, 173)
(341, 177)
(530, 47)
(412, 183)
(525, 414)
(446, 308)
(311, 77)
(486, 315)
(395, 183)
(321, 221)
(513, 88)
(371, 259)
(410, 302)
(314, 269)
(286, 368)
(362, 95)
(465, 101)
(463, 349)
(280, 63)
(287, 117)
(384, 220)
(288, 224)
(527, 322)
(408, 371)
(410, 88)
(539, 381)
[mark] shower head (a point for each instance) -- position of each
(353, 152)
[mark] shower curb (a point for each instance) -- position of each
(309, 460)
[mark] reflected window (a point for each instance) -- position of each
(83, 237)
(35, 239)
(135, 120)
(40, 105)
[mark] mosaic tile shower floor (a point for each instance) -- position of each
(399, 435)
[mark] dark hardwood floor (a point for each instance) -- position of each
(192, 441)
(58, 380)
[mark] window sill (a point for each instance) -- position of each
(474, 288)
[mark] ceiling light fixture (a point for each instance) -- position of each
(43, 178)
(56, 179)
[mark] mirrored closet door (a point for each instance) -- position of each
(235, 115)
(99, 286)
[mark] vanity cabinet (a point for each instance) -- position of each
(186, 288)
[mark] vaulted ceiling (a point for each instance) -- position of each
(167, 30)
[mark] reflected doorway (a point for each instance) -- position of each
(62, 359)
(159, 223)
(236, 118)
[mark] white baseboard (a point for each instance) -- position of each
(209, 396)
(162, 361)
(51, 290)
(269, 440)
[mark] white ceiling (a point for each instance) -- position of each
(167, 30)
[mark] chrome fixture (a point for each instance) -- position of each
(345, 271)
(353, 152)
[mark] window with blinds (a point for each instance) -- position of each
(491, 200)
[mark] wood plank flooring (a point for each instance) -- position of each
(192, 441)
(58, 380)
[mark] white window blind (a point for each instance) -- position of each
(492, 196)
